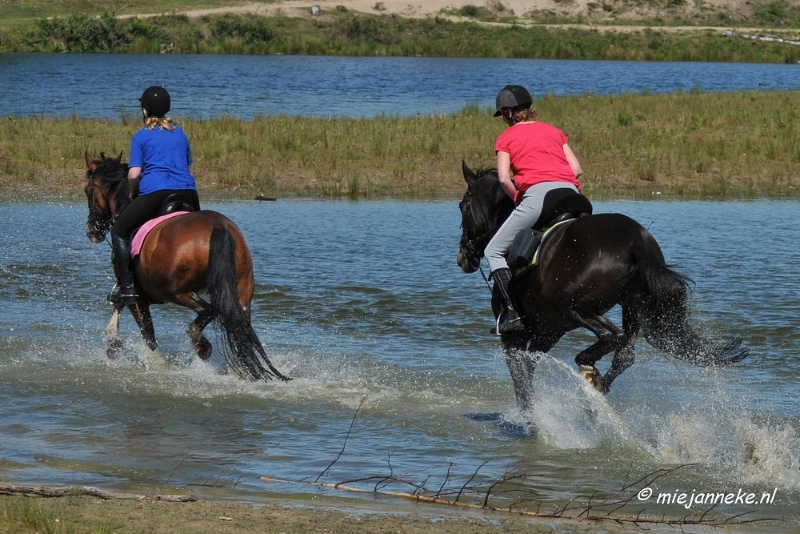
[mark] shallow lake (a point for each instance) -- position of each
(108, 85)
(364, 305)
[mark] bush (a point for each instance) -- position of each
(250, 30)
(366, 29)
(140, 28)
(81, 33)
(468, 11)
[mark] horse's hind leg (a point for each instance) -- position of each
(609, 338)
(600, 326)
(202, 346)
(587, 359)
(625, 355)
(205, 314)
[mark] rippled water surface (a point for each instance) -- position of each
(244, 86)
(362, 302)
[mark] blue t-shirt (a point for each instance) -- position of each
(164, 157)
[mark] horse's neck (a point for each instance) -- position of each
(496, 207)
(120, 198)
(503, 207)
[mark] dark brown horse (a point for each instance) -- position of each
(585, 268)
(179, 259)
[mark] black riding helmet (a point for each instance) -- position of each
(512, 97)
(155, 100)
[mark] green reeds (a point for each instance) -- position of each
(23, 514)
(683, 145)
(346, 33)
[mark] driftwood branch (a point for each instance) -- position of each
(344, 445)
(508, 488)
(67, 491)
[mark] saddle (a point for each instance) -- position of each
(175, 204)
(559, 206)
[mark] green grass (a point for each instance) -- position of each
(59, 516)
(35, 9)
(684, 145)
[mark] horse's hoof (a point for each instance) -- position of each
(203, 349)
(592, 375)
(114, 349)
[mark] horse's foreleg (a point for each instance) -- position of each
(521, 365)
(141, 313)
(202, 346)
(113, 343)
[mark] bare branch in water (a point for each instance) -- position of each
(509, 487)
(344, 445)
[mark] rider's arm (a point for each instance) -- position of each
(134, 175)
(504, 173)
(574, 164)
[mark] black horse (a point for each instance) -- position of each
(585, 268)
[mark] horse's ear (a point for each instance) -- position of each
(89, 161)
(469, 176)
(119, 158)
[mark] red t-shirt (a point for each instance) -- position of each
(537, 155)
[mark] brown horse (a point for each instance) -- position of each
(180, 258)
(586, 267)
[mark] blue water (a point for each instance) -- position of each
(107, 85)
(363, 301)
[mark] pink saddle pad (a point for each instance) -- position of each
(138, 239)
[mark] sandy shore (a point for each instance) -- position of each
(521, 12)
(333, 516)
(403, 8)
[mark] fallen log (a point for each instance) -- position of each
(67, 491)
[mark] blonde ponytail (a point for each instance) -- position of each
(165, 123)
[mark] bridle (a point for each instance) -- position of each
(473, 248)
(97, 225)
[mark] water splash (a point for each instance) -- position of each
(668, 426)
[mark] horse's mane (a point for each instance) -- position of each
(114, 178)
(498, 196)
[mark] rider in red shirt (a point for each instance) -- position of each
(533, 158)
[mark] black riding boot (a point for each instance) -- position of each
(509, 320)
(124, 292)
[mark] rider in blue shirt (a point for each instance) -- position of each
(159, 166)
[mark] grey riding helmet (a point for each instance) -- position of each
(512, 97)
(156, 101)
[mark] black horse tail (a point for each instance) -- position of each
(242, 348)
(664, 312)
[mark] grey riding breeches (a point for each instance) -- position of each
(524, 216)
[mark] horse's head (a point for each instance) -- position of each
(484, 208)
(107, 192)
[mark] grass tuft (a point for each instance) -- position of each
(683, 145)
